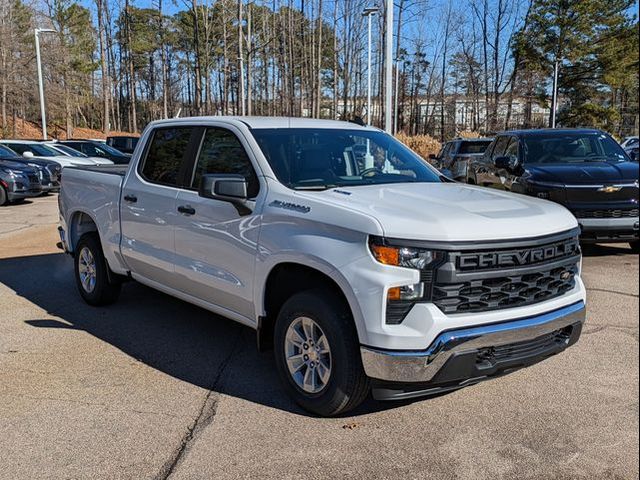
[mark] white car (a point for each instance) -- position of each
(72, 152)
(629, 142)
(363, 272)
(33, 149)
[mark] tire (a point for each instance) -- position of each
(347, 385)
(635, 246)
(95, 288)
(4, 198)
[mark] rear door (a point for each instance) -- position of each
(148, 204)
(216, 241)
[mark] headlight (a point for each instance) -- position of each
(11, 172)
(401, 299)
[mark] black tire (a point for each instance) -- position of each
(347, 385)
(4, 198)
(635, 246)
(103, 292)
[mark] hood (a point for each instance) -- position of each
(4, 163)
(450, 211)
(65, 161)
(591, 173)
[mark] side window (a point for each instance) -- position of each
(512, 149)
(119, 142)
(500, 147)
(165, 155)
(222, 152)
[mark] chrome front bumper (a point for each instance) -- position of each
(423, 366)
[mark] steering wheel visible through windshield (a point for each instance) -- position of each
(318, 158)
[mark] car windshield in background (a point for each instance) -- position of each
(108, 149)
(35, 148)
(473, 147)
(572, 148)
(306, 158)
(6, 152)
(70, 151)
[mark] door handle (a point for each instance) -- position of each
(130, 198)
(187, 210)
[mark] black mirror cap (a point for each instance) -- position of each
(509, 164)
(226, 187)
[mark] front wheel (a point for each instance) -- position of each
(317, 353)
(91, 271)
(4, 198)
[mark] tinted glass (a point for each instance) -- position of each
(473, 147)
(500, 146)
(572, 148)
(70, 151)
(306, 158)
(165, 155)
(119, 142)
(512, 148)
(222, 152)
(6, 152)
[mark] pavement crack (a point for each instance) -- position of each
(633, 295)
(205, 416)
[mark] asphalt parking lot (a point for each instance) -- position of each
(155, 388)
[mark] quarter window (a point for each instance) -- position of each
(166, 154)
(222, 153)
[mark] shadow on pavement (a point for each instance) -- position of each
(181, 340)
(605, 250)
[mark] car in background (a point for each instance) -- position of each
(48, 171)
(585, 170)
(453, 159)
(630, 142)
(70, 152)
(17, 182)
(124, 143)
(93, 148)
(31, 149)
(633, 152)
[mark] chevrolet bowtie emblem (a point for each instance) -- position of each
(609, 189)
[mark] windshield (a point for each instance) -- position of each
(35, 148)
(70, 151)
(478, 146)
(106, 148)
(572, 148)
(6, 152)
(310, 158)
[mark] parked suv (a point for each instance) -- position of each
(30, 149)
(362, 272)
(454, 158)
(17, 182)
(92, 148)
(126, 144)
(584, 170)
(48, 171)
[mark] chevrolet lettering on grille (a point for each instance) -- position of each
(517, 258)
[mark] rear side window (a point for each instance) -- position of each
(165, 155)
(222, 152)
(473, 147)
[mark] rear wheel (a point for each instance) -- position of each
(92, 275)
(317, 353)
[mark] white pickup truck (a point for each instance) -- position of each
(356, 262)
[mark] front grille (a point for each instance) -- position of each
(504, 292)
(506, 276)
(528, 348)
(33, 178)
(607, 213)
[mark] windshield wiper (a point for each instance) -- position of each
(317, 188)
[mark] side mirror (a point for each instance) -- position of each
(510, 164)
(28, 154)
(225, 187)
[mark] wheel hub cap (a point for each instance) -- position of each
(308, 355)
(87, 270)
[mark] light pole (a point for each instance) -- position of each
(43, 116)
(554, 100)
(369, 12)
(388, 67)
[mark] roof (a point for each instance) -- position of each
(28, 142)
(546, 131)
(272, 122)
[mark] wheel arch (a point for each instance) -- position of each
(286, 278)
(80, 222)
